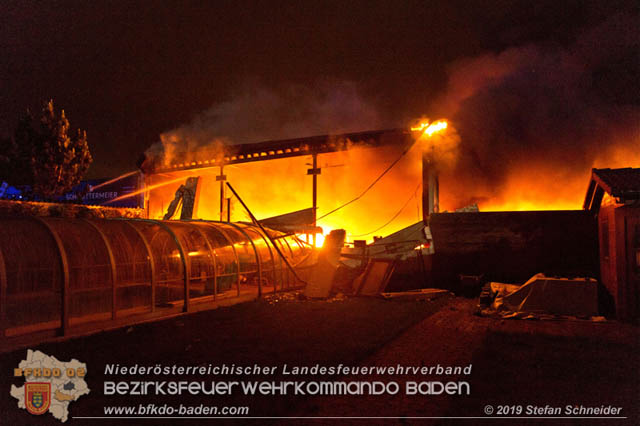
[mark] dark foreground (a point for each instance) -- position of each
(514, 362)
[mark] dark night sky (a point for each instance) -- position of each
(127, 71)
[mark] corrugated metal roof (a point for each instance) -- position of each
(623, 184)
(619, 182)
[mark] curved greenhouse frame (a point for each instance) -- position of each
(61, 273)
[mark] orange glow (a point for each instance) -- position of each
(319, 239)
(276, 187)
(547, 186)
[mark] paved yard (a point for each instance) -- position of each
(514, 362)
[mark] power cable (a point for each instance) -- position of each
(370, 186)
(394, 216)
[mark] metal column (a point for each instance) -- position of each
(221, 178)
(314, 172)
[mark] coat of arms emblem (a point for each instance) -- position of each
(37, 397)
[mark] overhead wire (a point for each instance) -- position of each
(394, 216)
(371, 185)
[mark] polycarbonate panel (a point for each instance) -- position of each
(244, 249)
(293, 245)
(133, 266)
(262, 246)
(285, 273)
(90, 282)
(219, 255)
(201, 263)
(266, 258)
(226, 263)
(167, 261)
(34, 273)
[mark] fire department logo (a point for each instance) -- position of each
(50, 385)
(37, 397)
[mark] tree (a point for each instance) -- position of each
(42, 155)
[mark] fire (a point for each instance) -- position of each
(276, 187)
(319, 239)
(429, 129)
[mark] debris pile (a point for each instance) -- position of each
(542, 297)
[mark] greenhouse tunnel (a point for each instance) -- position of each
(57, 273)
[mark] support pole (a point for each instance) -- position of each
(430, 187)
(314, 172)
(254, 220)
(314, 204)
(221, 178)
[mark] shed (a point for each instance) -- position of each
(613, 197)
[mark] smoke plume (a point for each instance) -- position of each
(260, 114)
(534, 120)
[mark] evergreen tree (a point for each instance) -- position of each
(41, 154)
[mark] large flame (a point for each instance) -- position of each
(428, 129)
(275, 187)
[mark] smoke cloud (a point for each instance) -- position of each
(260, 114)
(534, 120)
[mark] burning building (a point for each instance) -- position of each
(434, 245)
(75, 274)
(278, 177)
